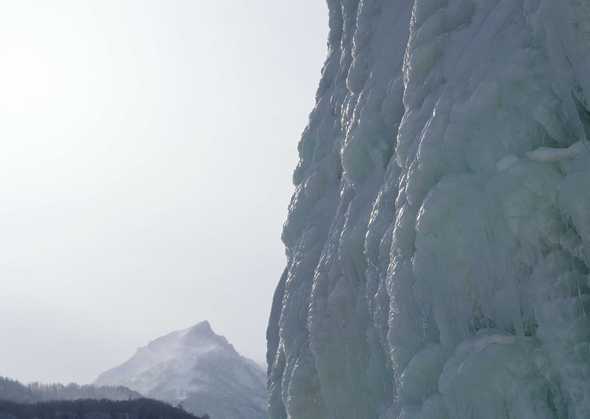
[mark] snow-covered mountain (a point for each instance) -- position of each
(438, 240)
(199, 369)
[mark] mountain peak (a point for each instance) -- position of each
(201, 328)
(199, 368)
(202, 334)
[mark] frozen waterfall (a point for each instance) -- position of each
(438, 240)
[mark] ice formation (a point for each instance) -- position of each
(438, 240)
(198, 369)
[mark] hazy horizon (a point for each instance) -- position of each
(146, 144)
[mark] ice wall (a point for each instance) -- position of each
(438, 240)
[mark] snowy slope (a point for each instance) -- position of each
(199, 369)
(438, 240)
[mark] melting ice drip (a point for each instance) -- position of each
(438, 240)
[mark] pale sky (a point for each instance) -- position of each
(146, 152)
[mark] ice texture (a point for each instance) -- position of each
(438, 239)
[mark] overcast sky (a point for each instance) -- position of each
(146, 152)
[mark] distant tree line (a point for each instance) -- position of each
(12, 390)
(73, 401)
(93, 409)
